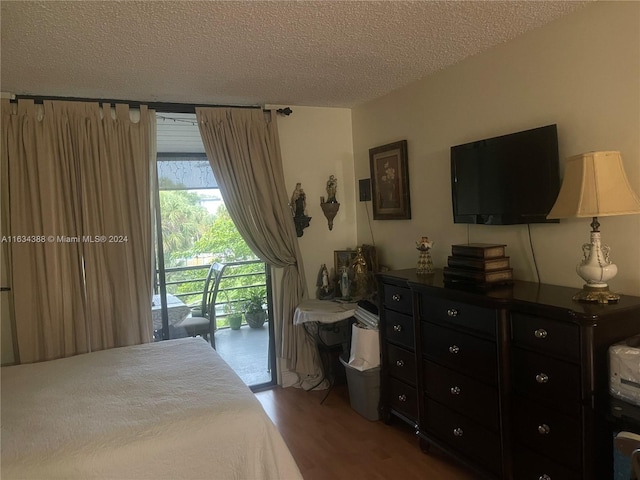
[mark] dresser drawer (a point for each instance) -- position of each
(402, 364)
(544, 335)
(549, 433)
(399, 329)
(398, 299)
(462, 394)
(457, 314)
(459, 351)
(403, 398)
(553, 382)
(528, 465)
(463, 434)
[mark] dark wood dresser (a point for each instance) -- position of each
(512, 381)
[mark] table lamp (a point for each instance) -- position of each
(595, 185)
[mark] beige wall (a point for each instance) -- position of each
(317, 142)
(581, 72)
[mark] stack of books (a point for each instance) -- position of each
(479, 264)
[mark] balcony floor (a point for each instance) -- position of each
(247, 352)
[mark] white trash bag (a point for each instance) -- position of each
(365, 348)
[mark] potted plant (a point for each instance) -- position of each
(254, 311)
(234, 314)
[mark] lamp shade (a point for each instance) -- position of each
(595, 185)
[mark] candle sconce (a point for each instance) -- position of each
(330, 210)
(331, 206)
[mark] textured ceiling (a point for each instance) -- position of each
(319, 53)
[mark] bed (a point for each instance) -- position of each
(171, 409)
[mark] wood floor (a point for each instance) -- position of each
(331, 441)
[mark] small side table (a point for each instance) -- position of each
(328, 323)
(323, 311)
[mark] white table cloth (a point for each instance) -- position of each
(177, 309)
(323, 311)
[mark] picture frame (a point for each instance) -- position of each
(390, 181)
(343, 258)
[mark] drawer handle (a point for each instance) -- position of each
(402, 398)
(454, 349)
(400, 363)
(452, 312)
(544, 476)
(458, 432)
(544, 429)
(542, 378)
(396, 297)
(540, 333)
(397, 328)
(455, 390)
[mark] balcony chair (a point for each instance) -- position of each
(203, 320)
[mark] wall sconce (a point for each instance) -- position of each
(331, 206)
(595, 185)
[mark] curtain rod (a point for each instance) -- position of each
(157, 106)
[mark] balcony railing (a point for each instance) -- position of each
(239, 280)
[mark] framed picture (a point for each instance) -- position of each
(343, 258)
(390, 181)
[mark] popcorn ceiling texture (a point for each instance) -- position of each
(316, 53)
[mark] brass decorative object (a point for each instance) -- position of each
(360, 274)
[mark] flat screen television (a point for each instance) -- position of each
(506, 180)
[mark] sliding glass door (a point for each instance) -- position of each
(195, 231)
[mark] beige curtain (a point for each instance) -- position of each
(116, 191)
(79, 218)
(244, 151)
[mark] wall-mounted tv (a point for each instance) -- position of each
(506, 180)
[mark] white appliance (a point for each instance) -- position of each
(624, 370)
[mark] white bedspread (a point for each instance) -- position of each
(172, 410)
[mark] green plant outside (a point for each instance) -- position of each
(255, 300)
(235, 321)
(189, 231)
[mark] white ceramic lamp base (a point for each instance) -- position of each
(596, 269)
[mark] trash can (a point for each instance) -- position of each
(364, 389)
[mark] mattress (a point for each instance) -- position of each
(166, 410)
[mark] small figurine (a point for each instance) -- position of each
(425, 265)
(359, 263)
(325, 278)
(345, 284)
(325, 289)
(298, 205)
(424, 244)
(298, 201)
(360, 273)
(331, 206)
(332, 186)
